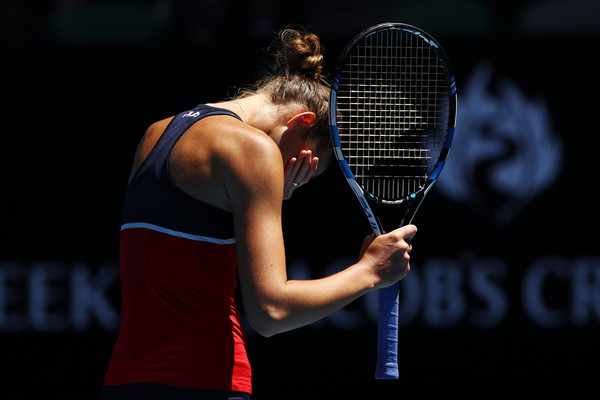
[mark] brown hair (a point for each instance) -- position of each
(295, 76)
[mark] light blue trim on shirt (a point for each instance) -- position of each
(171, 232)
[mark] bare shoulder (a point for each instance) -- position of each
(237, 145)
(220, 160)
(235, 141)
(147, 143)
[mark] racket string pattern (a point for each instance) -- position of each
(392, 116)
(393, 113)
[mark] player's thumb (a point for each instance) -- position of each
(408, 232)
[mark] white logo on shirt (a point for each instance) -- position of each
(192, 114)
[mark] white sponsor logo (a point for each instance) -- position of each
(191, 114)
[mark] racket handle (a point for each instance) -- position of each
(387, 333)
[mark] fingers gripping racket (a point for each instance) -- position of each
(392, 115)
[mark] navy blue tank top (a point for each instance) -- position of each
(153, 198)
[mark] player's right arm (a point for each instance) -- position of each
(254, 179)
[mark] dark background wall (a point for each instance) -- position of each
(503, 300)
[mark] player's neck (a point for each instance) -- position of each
(261, 113)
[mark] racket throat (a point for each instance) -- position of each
(390, 217)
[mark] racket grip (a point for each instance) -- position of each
(387, 333)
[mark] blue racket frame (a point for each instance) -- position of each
(391, 213)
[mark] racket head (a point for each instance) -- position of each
(392, 113)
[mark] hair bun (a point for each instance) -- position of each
(302, 53)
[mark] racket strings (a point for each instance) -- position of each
(394, 112)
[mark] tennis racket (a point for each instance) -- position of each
(392, 115)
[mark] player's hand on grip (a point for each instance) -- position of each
(388, 254)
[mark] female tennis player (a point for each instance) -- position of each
(202, 209)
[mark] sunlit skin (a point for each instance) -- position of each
(248, 168)
(301, 164)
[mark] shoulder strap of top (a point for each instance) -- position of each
(159, 155)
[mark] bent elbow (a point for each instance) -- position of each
(263, 330)
(268, 322)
